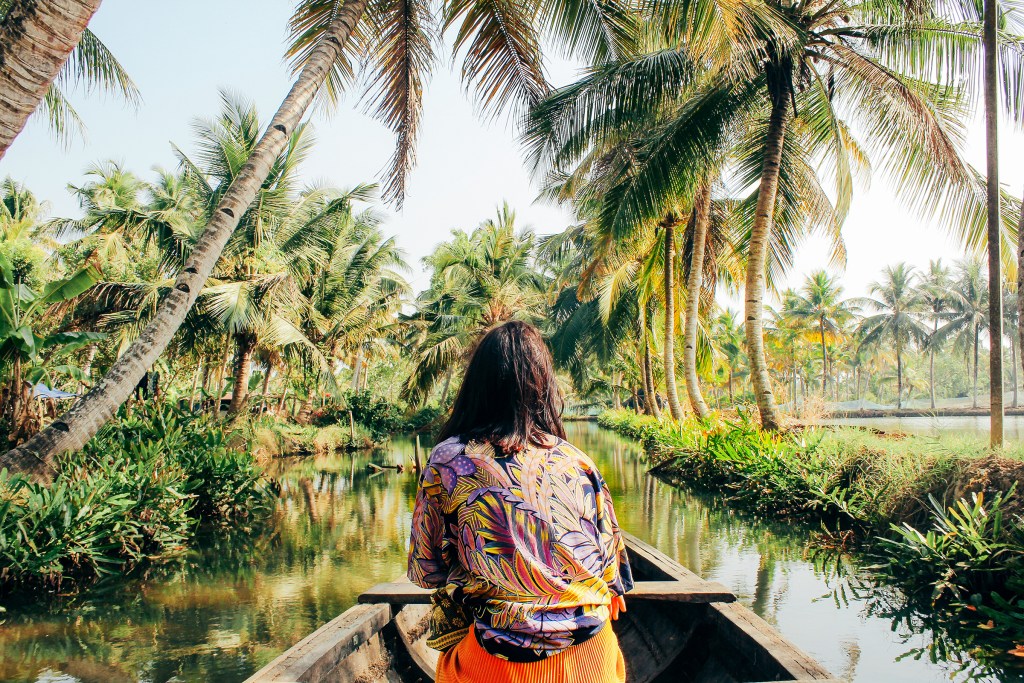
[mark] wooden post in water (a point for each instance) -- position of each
(416, 454)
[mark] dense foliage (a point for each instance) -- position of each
(135, 494)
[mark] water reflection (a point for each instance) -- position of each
(237, 602)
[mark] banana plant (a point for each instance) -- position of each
(28, 354)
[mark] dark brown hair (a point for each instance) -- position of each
(509, 396)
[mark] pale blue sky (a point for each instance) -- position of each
(180, 54)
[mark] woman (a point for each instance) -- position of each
(516, 526)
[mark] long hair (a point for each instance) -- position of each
(509, 396)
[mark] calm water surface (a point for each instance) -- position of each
(975, 426)
(234, 605)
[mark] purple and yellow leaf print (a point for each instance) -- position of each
(529, 542)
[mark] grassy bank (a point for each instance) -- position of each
(943, 519)
(853, 479)
(136, 493)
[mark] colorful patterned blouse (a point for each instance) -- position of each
(528, 542)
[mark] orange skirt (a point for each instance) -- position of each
(597, 660)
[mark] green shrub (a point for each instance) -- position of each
(135, 492)
(971, 547)
(379, 417)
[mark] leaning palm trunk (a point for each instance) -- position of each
(671, 392)
(73, 429)
(701, 219)
(995, 275)
(757, 255)
(36, 38)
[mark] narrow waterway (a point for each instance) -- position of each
(232, 606)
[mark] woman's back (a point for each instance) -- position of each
(529, 541)
(515, 527)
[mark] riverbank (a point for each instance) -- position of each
(853, 479)
(940, 518)
(137, 493)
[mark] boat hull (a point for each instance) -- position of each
(665, 637)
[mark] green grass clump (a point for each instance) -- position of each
(916, 504)
(136, 492)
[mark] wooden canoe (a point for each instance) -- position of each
(678, 629)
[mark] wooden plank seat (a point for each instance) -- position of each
(693, 590)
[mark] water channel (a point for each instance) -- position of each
(234, 604)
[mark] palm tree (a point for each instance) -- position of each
(787, 329)
(898, 305)
(787, 69)
(934, 292)
(502, 62)
(78, 425)
(36, 39)
(728, 339)
(967, 315)
(821, 304)
(479, 280)
(24, 240)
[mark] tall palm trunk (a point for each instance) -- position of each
(77, 426)
(357, 369)
(265, 390)
(90, 356)
(195, 386)
(245, 345)
(701, 221)
(899, 374)
(36, 39)
(222, 378)
(671, 391)
(650, 391)
(995, 264)
(1020, 290)
(757, 254)
(824, 358)
(931, 363)
(793, 363)
(1013, 365)
(977, 333)
(447, 387)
